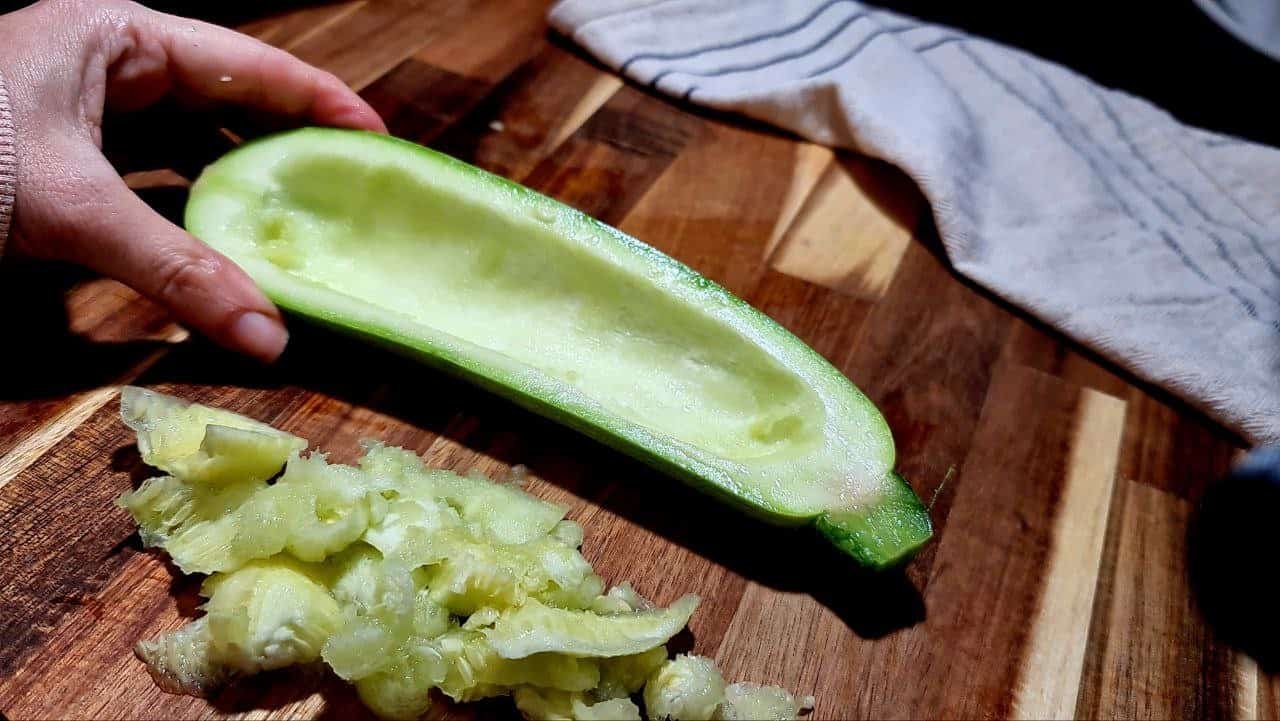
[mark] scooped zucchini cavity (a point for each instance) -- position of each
(567, 316)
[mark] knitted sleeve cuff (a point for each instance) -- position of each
(8, 166)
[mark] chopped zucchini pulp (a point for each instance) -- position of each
(565, 315)
(402, 578)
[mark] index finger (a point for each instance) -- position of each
(220, 64)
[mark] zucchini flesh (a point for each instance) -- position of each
(398, 629)
(567, 316)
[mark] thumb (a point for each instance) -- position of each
(118, 235)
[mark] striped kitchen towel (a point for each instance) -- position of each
(1154, 243)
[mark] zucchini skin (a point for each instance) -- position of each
(884, 535)
(880, 534)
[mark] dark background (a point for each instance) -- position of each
(1169, 52)
(1165, 50)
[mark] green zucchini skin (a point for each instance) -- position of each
(883, 535)
(419, 252)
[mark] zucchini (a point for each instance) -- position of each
(689, 688)
(536, 628)
(531, 299)
(460, 604)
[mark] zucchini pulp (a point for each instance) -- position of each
(565, 315)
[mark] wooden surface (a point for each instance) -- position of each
(1056, 584)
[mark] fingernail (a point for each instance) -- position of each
(260, 336)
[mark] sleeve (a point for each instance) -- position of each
(8, 166)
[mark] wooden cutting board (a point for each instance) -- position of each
(1060, 490)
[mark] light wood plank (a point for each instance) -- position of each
(848, 237)
(1049, 678)
(597, 94)
(1245, 706)
(811, 161)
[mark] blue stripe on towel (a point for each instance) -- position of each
(760, 65)
(684, 54)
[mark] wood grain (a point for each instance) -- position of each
(1268, 701)
(1031, 346)
(1049, 679)
(508, 33)
(530, 113)
(419, 101)
(1145, 622)
(1061, 493)
(290, 30)
(1140, 665)
(925, 356)
(359, 46)
(606, 165)
(988, 579)
(854, 228)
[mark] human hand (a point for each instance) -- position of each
(64, 62)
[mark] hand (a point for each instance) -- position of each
(64, 62)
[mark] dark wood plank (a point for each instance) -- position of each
(830, 323)
(1168, 448)
(292, 28)
(362, 45)
(1268, 697)
(530, 113)
(62, 544)
(925, 357)
(66, 535)
(77, 335)
(86, 669)
(992, 564)
(419, 101)
(607, 165)
(1151, 656)
(497, 37)
(1035, 347)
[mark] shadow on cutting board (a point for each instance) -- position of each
(47, 358)
(1232, 544)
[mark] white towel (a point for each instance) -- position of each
(1156, 244)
